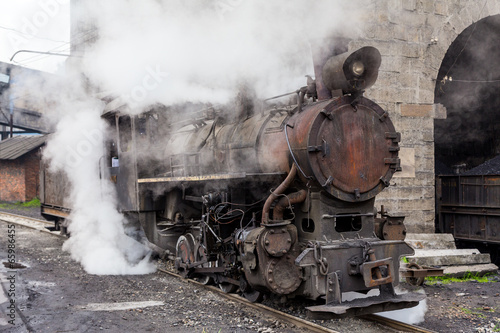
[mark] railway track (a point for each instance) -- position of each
(302, 323)
(37, 224)
(43, 226)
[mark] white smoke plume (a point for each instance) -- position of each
(173, 51)
(415, 315)
(98, 236)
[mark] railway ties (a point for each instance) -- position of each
(283, 317)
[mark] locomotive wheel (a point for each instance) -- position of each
(184, 253)
(228, 287)
(199, 256)
(415, 281)
(254, 296)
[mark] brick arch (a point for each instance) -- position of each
(459, 18)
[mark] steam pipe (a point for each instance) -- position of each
(279, 190)
(290, 199)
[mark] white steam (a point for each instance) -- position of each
(415, 315)
(98, 236)
(173, 51)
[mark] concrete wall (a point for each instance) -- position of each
(413, 37)
(19, 180)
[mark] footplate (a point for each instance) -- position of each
(362, 306)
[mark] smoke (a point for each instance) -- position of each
(174, 51)
(414, 315)
(411, 316)
(99, 233)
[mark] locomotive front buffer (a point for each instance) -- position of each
(355, 265)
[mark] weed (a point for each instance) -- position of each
(473, 313)
(20, 205)
(33, 203)
(469, 276)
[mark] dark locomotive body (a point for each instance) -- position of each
(276, 201)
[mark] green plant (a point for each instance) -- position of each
(469, 276)
(473, 313)
(33, 203)
(20, 205)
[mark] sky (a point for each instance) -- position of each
(36, 25)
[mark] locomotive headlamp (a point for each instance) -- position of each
(358, 68)
(352, 72)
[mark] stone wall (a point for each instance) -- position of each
(413, 37)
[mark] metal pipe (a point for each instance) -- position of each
(279, 190)
(287, 200)
(39, 52)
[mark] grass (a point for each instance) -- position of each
(473, 313)
(445, 279)
(20, 205)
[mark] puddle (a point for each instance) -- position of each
(15, 265)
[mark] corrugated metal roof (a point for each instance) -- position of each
(15, 147)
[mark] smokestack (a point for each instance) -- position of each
(322, 50)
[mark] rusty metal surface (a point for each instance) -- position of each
(268, 257)
(416, 274)
(349, 146)
(372, 272)
(59, 212)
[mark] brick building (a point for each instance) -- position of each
(19, 168)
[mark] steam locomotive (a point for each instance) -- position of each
(269, 201)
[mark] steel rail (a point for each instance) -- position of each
(398, 325)
(29, 222)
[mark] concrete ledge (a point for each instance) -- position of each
(449, 257)
(431, 241)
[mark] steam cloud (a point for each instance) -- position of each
(168, 52)
(200, 51)
(99, 238)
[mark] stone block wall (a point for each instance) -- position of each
(413, 37)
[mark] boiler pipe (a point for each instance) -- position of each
(279, 190)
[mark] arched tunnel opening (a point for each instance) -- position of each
(467, 142)
(468, 85)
